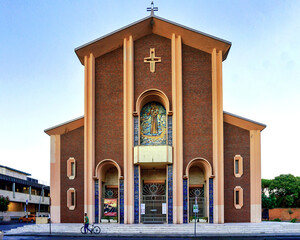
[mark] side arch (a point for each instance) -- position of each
(104, 164)
(208, 173)
(202, 162)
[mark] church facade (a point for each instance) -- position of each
(154, 144)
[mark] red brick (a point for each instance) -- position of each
(197, 105)
(109, 107)
(72, 145)
(236, 142)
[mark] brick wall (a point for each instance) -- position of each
(236, 142)
(161, 79)
(197, 105)
(283, 214)
(109, 107)
(72, 145)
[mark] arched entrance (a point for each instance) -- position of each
(198, 173)
(108, 175)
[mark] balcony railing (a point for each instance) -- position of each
(22, 197)
(153, 154)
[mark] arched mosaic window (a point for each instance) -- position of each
(153, 124)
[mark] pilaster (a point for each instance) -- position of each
(128, 103)
(255, 176)
(218, 146)
(177, 128)
(55, 178)
(89, 135)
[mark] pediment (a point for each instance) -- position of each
(153, 25)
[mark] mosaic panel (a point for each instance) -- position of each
(185, 201)
(170, 194)
(211, 200)
(121, 201)
(136, 194)
(97, 201)
(136, 131)
(170, 131)
(153, 124)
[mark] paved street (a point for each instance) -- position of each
(148, 238)
(6, 226)
(264, 230)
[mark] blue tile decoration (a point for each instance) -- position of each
(96, 201)
(121, 201)
(211, 200)
(136, 194)
(185, 201)
(136, 131)
(170, 131)
(170, 194)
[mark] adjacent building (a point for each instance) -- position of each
(26, 194)
(154, 139)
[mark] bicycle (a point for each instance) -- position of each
(94, 229)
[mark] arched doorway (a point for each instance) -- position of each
(108, 175)
(198, 172)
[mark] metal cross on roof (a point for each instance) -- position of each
(152, 9)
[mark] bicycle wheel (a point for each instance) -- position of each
(82, 230)
(97, 230)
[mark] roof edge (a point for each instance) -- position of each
(242, 122)
(15, 170)
(80, 48)
(57, 129)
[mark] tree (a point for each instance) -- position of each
(286, 187)
(4, 201)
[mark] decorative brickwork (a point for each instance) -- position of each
(170, 194)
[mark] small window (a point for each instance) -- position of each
(238, 166)
(71, 198)
(71, 168)
(238, 197)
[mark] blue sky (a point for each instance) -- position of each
(41, 79)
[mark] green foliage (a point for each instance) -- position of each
(4, 201)
(265, 183)
(286, 190)
(268, 202)
(277, 220)
(294, 220)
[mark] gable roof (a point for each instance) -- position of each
(65, 127)
(242, 122)
(153, 25)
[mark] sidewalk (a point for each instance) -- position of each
(179, 230)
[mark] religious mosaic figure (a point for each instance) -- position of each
(153, 124)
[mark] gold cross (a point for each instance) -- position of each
(152, 60)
